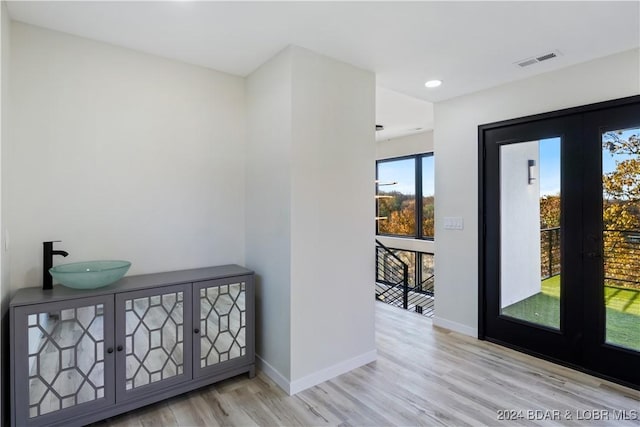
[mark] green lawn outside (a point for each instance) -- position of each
(622, 311)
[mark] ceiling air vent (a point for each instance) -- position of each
(539, 58)
(546, 56)
(527, 62)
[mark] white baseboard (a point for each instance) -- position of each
(293, 387)
(455, 326)
(273, 373)
(332, 372)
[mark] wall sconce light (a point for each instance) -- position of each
(531, 164)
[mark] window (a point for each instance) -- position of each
(402, 184)
(428, 191)
(396, 193)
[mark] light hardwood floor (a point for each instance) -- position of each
(423, 376)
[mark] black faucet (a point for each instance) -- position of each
(47, 262)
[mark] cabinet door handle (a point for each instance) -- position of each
(196, 331)
(110, 350)
(119, 348)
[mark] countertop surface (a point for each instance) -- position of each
(36, 295)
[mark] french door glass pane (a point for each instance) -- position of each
(621, 236)
(530, 208)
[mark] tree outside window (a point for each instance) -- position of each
(404, 183)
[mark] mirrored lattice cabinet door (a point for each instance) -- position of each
(154, 351)
(69, 359)
(220, 324)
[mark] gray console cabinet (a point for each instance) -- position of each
(81, 356)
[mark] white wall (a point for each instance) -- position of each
(310, 187)
(519, 223)
(332, 205)
(456, 144)
(5, 42)
(404, 146)
(121, 155)
(125, 155)
(268, 208)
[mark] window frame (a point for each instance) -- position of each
(417, 158)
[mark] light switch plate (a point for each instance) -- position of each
(453, 223)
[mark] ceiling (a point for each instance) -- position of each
(468, 45)
(401, 114)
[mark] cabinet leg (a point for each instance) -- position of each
(252, 371)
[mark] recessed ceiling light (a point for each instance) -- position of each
(433, 83)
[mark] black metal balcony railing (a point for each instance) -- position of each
(394, 273)
(621, 256)
(550, 252)
(394, 284)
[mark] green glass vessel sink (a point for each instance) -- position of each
(89, 274)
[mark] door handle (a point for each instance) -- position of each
(593, 255)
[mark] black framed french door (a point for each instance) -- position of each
(560, 236)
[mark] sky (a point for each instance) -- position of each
(550, 162)
(549, 166)
(403, 171)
